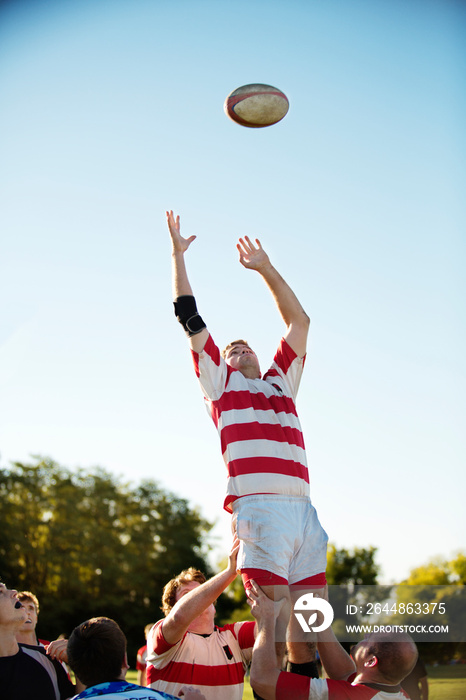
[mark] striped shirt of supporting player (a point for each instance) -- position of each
(261, 438)
(215, 664)
(291, 685)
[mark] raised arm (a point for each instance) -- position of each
(182, 291)
(337, 663)
(193, 604)
(254, 257)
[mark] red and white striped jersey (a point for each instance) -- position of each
(215, 663)
(291, 686)
(261, 438)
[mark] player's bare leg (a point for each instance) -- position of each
(301, 645)
(276, 593)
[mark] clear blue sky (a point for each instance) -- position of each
(111, 112)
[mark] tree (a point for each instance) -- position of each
(355, 567)
(88, 544)
(439, 572)
(352, 578)
(438, 586)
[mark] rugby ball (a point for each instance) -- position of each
(256, 105)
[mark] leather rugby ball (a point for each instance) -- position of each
(256, 105)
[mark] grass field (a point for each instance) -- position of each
(445, 683)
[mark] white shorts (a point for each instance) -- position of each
(280, 534)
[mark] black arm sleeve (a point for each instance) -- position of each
(187, 315)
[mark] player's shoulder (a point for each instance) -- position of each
(31, 649)
(345, 690)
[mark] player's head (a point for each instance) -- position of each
(386, 657)
(97, 651)
(239, 355)
(27, 596)
(31, 604)
(173, 588)
(12, 612)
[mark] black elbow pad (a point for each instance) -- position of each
(187, 315)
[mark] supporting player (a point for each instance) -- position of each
(375, 672)
(283, 545)
(188, 648)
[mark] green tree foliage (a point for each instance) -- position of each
(88, 544)
(440, 581)
(347, 571)
(458, 569)
(351, 567)
(439, 572)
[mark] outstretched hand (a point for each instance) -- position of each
(252, 256)
(179, 244)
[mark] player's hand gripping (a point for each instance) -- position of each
(262, 607)
(252, 256)
(58, 650)
(179, 244)
(232, 557)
